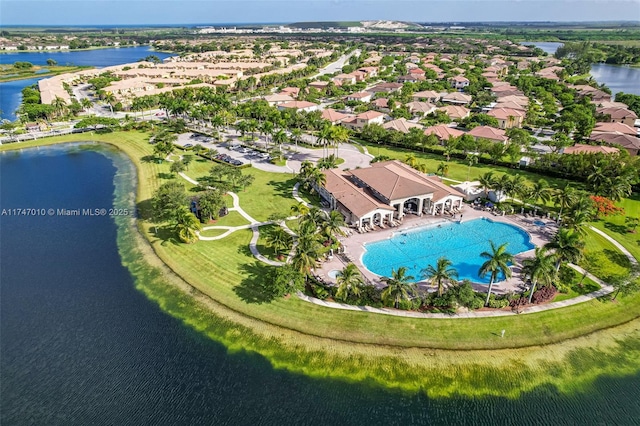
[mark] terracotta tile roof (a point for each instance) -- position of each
(354, 199)
(457, 97)
(455, 111)
(297, 104)
(443, 132)
(505, 113)
(589, 149)
(335, 116)
(369, 115)
(401, 125)
(615, 127)
(626, 141)
(617, 113)
(490, 133)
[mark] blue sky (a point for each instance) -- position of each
(126, 12)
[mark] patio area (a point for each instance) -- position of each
(540, 230)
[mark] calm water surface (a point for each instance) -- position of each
(10, 92)
(549, 47)
(79, 345)
(617, 78)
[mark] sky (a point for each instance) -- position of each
(131, 12)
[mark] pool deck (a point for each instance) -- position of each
(354, 246)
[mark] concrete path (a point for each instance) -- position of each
(296, 195)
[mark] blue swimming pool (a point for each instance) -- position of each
(461, 243)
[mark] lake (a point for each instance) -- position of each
(549, 47)
(617, 78)
(10, 92)
(80, 345)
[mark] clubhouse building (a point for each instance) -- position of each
(385, 192)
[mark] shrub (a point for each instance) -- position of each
(497, 303)
(544, 294)
(477, 302)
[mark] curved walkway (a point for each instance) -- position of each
(296, 195)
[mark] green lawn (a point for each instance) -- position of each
(212, 232)
(232, 219)
(577, 284)
(602, 258)
(614, 225)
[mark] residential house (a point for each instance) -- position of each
(410, 78)
(401, 125)
(619, 115)
(342, 79)
(335, 117)
(457, 98)
(291, 91)
(508, 117)
(364, 119)
(615, 127)
(459, 82)
(443, 132)
(489, 133)
(427, 95)
(370, 72)
(318, 85)
(455, 112)
(589, 149)
(420, 108)
(385, 88)
(359, 97)
(299, 106)
(628, 142)
(278, 99)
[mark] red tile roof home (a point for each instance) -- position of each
(459, 78)
(589, 149)
(457, 98)
(609, 104)
(455, 112)
(630, 143)
(420, 107)
(354, 199)
(369, 115)
(617, 113)
(521, 100)
(359, 96)
(298, 105)
(615, 127)
(416, 71)
(381, 103)
(401, 125)
(291, 91)
(429, 95)
(385, 87)
(335, 116)
(491, 133)
(505, 113)
(443, 132)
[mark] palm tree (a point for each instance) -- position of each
(471, 160)
(540, 191)
(443, 169)
(399, 286)
(350, 282)
(487, 181)
(440, 274)
(339, 135)
(565, 197)
(306, 254)
(540, 267)
(110, 99)
(211, 153)
(278, 239)
(497, 262)
(324, 136)
(332, 225)
(86, 103)
(187, 225)
(60, 105)
(279, 138)
(296, 134)
(316, 179)
(567, 245)
(299, 209)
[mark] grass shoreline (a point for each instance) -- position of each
(569, 367)
(377, 337)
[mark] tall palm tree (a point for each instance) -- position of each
(540, 190)
(332, 225)
(316, 179)
(187, 225)
(497, 262)
(339, 135)
(399, 286)
(350, 282)
(440, 274)
(443, 169)
(539, 268)
(324, 137)
(567, 246)
(565, 197)
(487, 181)
(306, 254)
